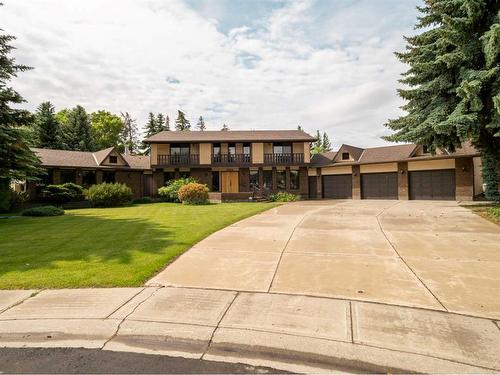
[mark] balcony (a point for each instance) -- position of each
(231, 159)
(178, 160)
(284, 158)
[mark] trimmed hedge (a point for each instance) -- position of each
(193, 193)
(43, 211)
(283, 196)
(59, 194)
(108, 195)
(170, 192)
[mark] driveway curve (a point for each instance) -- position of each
(432, 255)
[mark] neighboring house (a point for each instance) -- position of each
(396, 172)
(241, 164)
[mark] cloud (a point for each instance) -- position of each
(326, 65)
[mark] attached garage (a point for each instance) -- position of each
(337, 186)
(379, 185)
(436, 184)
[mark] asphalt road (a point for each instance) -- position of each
(77, 361)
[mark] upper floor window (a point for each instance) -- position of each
(216, 148)
(345, 156)
(231, 149)
(246, 148)
(113, 159)
(179, 149)
(282, 148)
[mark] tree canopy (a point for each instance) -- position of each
(452, 88)
(107, 129)
(181, 122)
(201, 124)
(322, 143)
(47, 129)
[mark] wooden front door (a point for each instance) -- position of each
(229, 182)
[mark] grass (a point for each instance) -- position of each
(490, 212)
(107, 247)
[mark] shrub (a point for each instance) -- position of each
(170, 192)
(108, 195)
(143, 200)
(43, 211)
(75, 189)
(283, 196)
(193, 193)
(57, 194)
(494, 211)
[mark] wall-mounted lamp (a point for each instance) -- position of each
(463, 169)
(355, 174)
(402, 171)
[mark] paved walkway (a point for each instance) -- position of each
(391, 286)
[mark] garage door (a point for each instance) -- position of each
(313, 187)
(337, 186)
(379, 185)
(437, 184)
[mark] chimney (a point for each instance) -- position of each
(127, 151)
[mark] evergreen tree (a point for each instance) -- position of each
(17, 161)
(454, 81)
(299, 128)
(78, 130)
(181, 123)
(129, 134)
(225, 127)
(151, 126)
(201, 124)
(160, 123)
(47, 127)
(317, 146)
(326, 145)
(167, 123)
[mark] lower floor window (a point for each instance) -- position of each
(108, 177)
(254, 180)
(88, 178)
(281, 180)
(184, 174)
(294, 180)
(215, 181)
(268, 179)
(168, 176)
(68, 175)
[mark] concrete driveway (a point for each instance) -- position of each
(433, 255)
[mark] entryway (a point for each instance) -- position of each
(230, 182)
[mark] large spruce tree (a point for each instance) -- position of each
(79, 131)
(201, 124)
(47, 127)
(151, 125)
(453, 81)
(17, 161)
(181, 122)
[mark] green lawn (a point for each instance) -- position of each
(106, 247)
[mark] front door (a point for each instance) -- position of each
(229, 182)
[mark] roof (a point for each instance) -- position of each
(83, 159)
(231, 136)
(385, 154)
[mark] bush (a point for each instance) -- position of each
(143, 200)
(43, 211)
(5, 195)
(283, 196)
(494, 211)
(57, 194)
(108, 195)
(75, 189)
(170, 192)
(193, 193)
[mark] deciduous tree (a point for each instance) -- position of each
(107, 129)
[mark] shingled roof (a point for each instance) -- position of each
(231, 136)
(82, 159)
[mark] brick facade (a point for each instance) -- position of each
(464, 177)
(403, 191)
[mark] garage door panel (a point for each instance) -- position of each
(432, 185)
(379, 185)
(337, 186)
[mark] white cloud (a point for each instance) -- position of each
(150, 55)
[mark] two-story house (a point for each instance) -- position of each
(238, 164)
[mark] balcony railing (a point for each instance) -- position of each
(284, 158)
(231, 159)
(178, 159)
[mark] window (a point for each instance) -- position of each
(179, 149)
(215, 181)
(48, 178)
(254, 179)
(281, 180)
(88, 178)
(216, 148)
(168, 176)
(345, 156)
(108, 177)
(246, 152)
(282, 148)
(268, 180)
(294, 180)
(231, 150)
(184, 174)
(113, 159)
(425, 149)
(68, 175)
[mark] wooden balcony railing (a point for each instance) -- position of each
(284, 158)
(178, 159)
(231, 159)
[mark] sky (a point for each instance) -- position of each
(326, 65)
